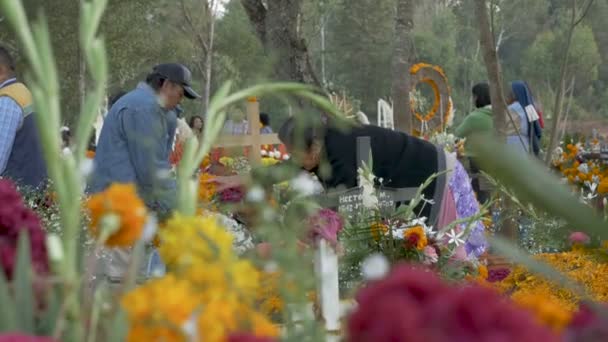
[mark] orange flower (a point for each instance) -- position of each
(482, 272)
(206, 189)
(415, 237)
(90, 154)
(378, 230)
(120, 200)
(603, 186)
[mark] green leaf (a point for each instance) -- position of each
(7, 313)
(24, 294)
(532, 183)
(50, 315)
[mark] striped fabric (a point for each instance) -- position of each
(10, 121)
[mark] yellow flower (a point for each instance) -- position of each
(227, 161)
(603, 186)
(194, 241)
(158, 309)
(482, 272)
(378, 230)
(415, 237)
(269, 161)
(122, 201)
(206, 188)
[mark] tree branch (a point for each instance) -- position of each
(193, 28)
(256, 12)
(584, 13)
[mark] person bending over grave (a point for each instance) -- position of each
(398, 160)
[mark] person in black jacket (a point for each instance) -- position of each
(399, 160)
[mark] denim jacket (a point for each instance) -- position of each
(134, 146)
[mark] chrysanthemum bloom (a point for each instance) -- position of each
(412, 304)
(15, 218)
(415, 238)
(158, 309)
(206, 188)
(326, 224)
(122, 201)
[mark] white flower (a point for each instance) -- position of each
(286, 157)
(374, 267)
(271, 267)
(583, 168)
(305, 185)
(255, 194)
(264, 153)
(455, 238)
(150, 228)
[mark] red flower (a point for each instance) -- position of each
(15, 217)
(248, 338)
(413, 304)
(232, 195)
(588, 325)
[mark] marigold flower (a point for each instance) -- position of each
(90, 154)
(194, 241)
(120, 200)
(415, 238)
(546, 309)
(157, 309)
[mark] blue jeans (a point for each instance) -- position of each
(155, 267)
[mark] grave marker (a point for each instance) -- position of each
(254, 139)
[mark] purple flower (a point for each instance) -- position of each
(499, 274)
(325, 224)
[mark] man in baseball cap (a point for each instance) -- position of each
(135, 143)
(177, 74)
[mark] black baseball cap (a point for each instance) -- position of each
(179, 74)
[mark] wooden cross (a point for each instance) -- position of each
(254, 138)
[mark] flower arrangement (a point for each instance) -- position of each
(208, 290)
(418, 72)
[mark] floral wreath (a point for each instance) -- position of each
(435, 77)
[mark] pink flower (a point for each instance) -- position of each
(16, 337)
(579, 238)
(326, 224)
(430, 255)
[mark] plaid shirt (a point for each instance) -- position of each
(10, 121)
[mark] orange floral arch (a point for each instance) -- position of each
(442, 105)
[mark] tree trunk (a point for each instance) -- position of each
(209, 59)
(402, 57)
(499, 106)
(278, 26)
